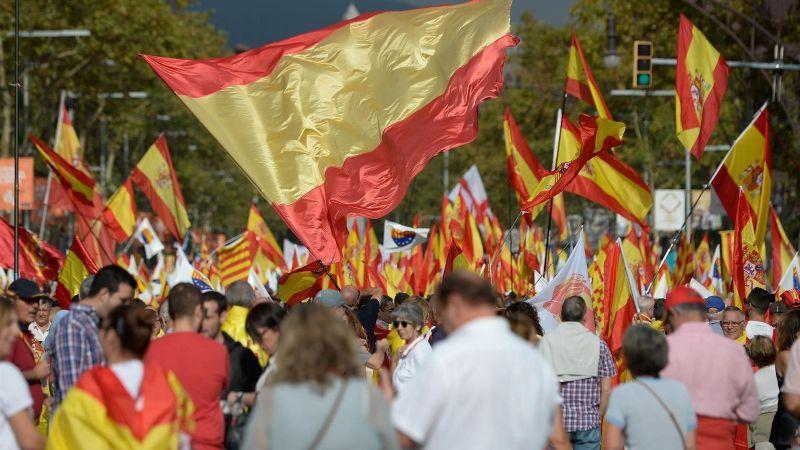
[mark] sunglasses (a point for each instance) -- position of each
(400, 323)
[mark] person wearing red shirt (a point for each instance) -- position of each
(200, 363)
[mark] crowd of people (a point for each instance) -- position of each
(465, 368)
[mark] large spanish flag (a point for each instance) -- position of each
(606, 180)
(155, 176)
(748, 165)
(701, 79)
(337, 122)
(120, 212)
(77, 266)
(580, 82)
(782, 248)
(748, 265)
(525, 172)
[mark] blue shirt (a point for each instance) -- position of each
(76, 349)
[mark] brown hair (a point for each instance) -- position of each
(315, 347)
(788, 327)
(761, 350)
(472, 288)
(520, 323)
(353, 323)
(184, 299)
(133, 326)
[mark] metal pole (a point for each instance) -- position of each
(56, 138)
(556, 144)
(16, 139)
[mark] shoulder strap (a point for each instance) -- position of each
(666, 408)
(329, 419)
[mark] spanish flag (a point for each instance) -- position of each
(748, 265)
(748, 165)
(236, 258)
(77, 266)
(595, 135)
(78, 185)
(337, 122)
(301, 284)
(619, 295)
(266, 240)
(580, 82)
(702, 259)
(457, 260)
(606, 180)
(684, 264)
(98, 413)
(120, 212)
(156, 177)
(701, 79)
(524, 173)
(726, 247)
(782, 249)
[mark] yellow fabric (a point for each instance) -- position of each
(234, 327)
(72, 273)
(69, 146)
(579, 72)
(528, 177)
(753, 273)
(257, 225)
(87, 191)
(702, 259)
(235, 260)
(157, 170)
(701, 59)
(122, 205)
(745, 164)
(319, 107)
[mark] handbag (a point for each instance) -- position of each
(666, 408)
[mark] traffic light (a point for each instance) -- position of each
(642, 64)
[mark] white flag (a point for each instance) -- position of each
(791, 278)
(400, 238)
(149, 239)
(700, 289)
(472, 191)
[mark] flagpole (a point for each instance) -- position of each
(556, 144)
(229, 241)
(56, 138)
(16, 139)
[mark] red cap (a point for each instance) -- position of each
(682, 295)
(791, 298)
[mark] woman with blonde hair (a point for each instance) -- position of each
(318, 397)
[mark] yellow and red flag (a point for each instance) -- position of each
(596, 136)
(68, 146)
(292, 114)
(38, 260)
(266, 240)
(621, 309)
(702, 259)
(120, 212)
(580, 82)
(606, 180)
(748, 165)
(456, 260)
(98, 413)
(701, 79)
(301, 284)
(155, 176)
(726, 248)
(77, 266)
(78, 185)
(782, 248)
(748, 265)
(684, 264)
(235, 259)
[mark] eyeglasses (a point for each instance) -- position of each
(729, 323)
(400, 323)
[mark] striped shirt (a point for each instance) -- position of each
(76, 349)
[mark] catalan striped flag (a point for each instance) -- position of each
(266, 240)
(120, 212)
(155, 175)
(748, 165)
(782, 248)
(580, 81)
(701, 79)
(235, 259)
(749, 270)
(301, 284)
(292, 114)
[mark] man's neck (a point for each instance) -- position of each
(756, 317)
(182, 324)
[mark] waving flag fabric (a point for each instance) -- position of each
(337, 122)
(782, 249)
(155, 176)
(701, 79)
(748, 265)
(580, 82)
(236, 259)
(748, 165)
(301, 283)
(620, 295)
(38, 260)
(702, 259)
(77, 266)
(78, 185)
(791, 276)
(684, 264)
(147, 236)
(120, 212)
(400, 238)
(266, 240)
(472, 192)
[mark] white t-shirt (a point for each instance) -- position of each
(755, 328)
(14, 397)
(482, 387)
(767, 387)
(130, 374)
(410, 361)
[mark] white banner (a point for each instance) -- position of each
(400, 238)
(669, 209)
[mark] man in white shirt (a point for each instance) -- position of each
(757, 306)
(482, 387)
(41, 322)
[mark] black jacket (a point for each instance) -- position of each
(244, 367)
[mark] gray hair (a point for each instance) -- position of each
(573, 309)
(646, 304)
(86, 286)
(240, 293)
(409, 312)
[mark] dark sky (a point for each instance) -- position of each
(257, 22)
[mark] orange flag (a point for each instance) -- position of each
(748, 266)
(701, 79)
(155, 176)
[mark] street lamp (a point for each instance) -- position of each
(611, 57)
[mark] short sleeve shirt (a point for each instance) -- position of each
(14, 397)
(645, 422)
(582, 397)
(408, 365)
